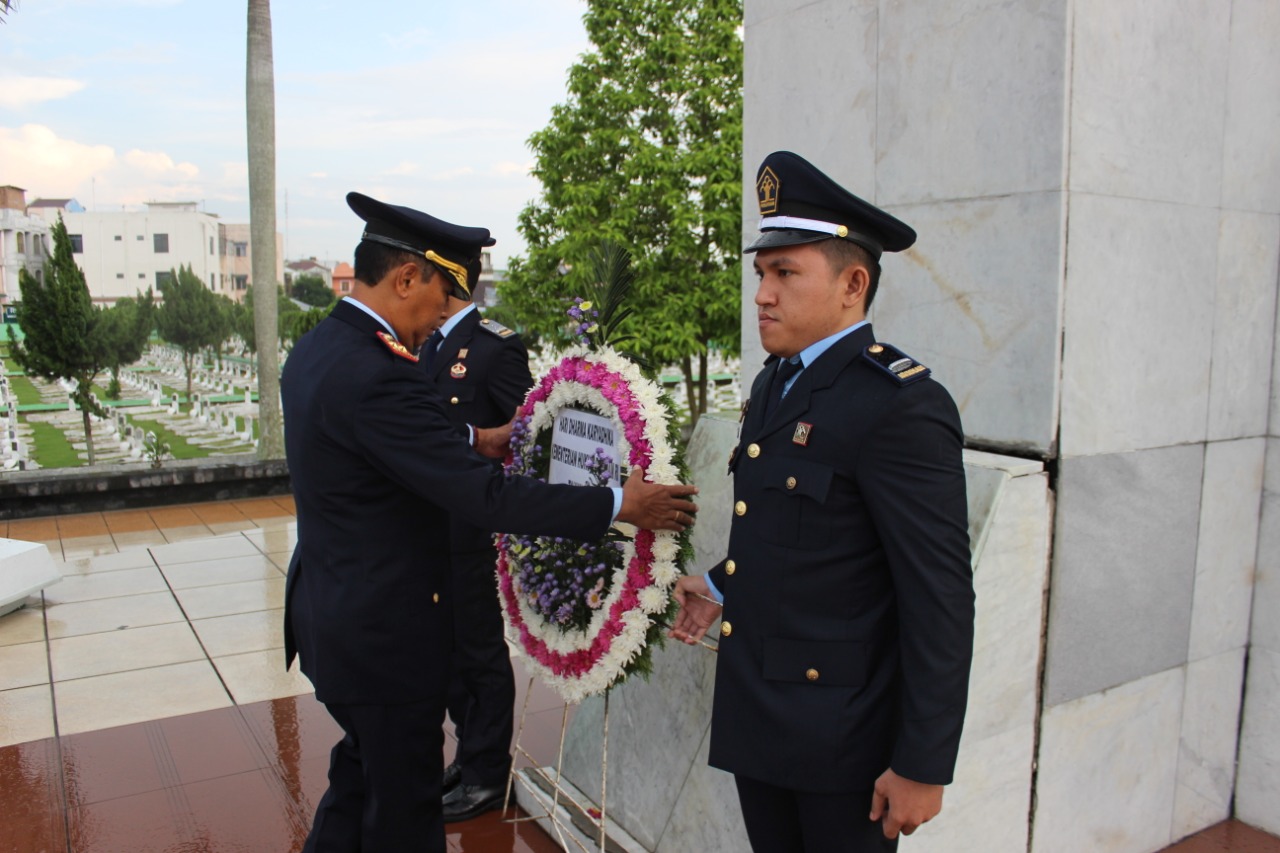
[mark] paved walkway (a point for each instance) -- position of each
(143, 705)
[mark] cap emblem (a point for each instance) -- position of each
(767, 188)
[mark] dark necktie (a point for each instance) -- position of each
(433, 344)
(786, 370)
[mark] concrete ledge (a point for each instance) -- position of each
(27, 494)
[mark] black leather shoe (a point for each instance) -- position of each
(451, 779)
(468, 801)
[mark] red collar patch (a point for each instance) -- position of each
(397, 347)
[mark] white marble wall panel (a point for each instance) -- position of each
(977, 300)
(1258, 778)
(765, 11)
(707, 816)
(1136, 347)
(1207, 755)
(809, 80)
(1107, 769)
(1251, 158)
(707, 457)
(1273, 420)
(1147, 99)
(1244, 313)
(972, 99)
(1124, 568)
(1226, 552)
(1009, 583)
(986, 807)
(1264, 632)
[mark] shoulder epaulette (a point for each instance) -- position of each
(397, 347)
(493, 327)
(894, 363)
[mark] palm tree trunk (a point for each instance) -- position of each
(260, 99)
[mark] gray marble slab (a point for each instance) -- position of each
(708, 459)
(707, 816)
(1148, 99)
(977, 300)
(970, 99)
(1124, 567)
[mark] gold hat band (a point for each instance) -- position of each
(458, 271)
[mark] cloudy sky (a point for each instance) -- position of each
(417, 102)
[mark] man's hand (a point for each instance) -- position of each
(654, 507)
(697, 610)
(904, 804)
(494, 442)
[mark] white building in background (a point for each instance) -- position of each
(24, 243)
(126, 251)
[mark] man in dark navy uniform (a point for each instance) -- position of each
(847, 590)
(481, 369)
(377, 468)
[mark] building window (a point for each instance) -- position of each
(241, 281)
(119, 275)
(22, 245)
(346, 287)
(240, 249)
(161, 242)
(142, 275)
(163, 277)
(211, 245)
(77, 243)
(213, 281)
(119, 238)
(139, 238)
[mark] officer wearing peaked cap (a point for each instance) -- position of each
(377, 468)
(847, 594)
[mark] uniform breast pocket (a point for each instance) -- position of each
(795, 498)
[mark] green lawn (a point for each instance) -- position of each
(25, 391)
(51, 448)
(179, 447)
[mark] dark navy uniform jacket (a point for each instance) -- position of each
(376, 469)
(482, 373)
(848, 593)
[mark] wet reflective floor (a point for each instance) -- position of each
(144, 707)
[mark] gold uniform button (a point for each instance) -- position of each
(753, 450)
(811, 674)
(730, 567)
(791, 482)
(435, 596)
(740, 508)
(453, 400)
(725, 629)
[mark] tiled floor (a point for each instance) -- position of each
(143, 701)
(143, 705)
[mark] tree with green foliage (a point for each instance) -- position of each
(126, 327)
(191, 317)
(63, 333)
(646, 153)
(295, 324)
(311, 289)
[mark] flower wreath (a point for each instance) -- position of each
(582, 641)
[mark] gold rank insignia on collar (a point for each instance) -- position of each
(458, 371)
(890, 361)
(397, 347)
(802, 433)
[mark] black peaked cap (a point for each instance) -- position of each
(415, 231)
(800, 204)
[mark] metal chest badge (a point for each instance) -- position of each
(458, 371)
(802, 433)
